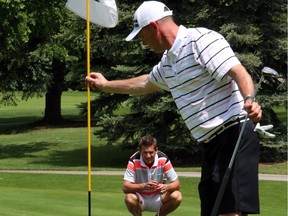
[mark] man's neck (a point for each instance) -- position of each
(170, 33)
(149, 165)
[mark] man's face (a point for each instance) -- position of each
(150, 36)
(148, 154)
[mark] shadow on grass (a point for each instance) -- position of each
(21, 151)
(103, 156)
(13, 127)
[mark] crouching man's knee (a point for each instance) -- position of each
(176, 198)
(133, 203)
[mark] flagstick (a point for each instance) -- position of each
(88, 105)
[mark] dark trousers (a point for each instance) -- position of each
(241, 194)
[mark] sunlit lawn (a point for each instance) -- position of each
(67, 195)
(24, 147)
(33, 109)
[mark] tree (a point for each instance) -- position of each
(33, 59)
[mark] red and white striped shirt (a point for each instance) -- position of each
(138, 172)
(194, 70)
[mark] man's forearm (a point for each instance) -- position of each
(135, 86)
(244, 81)
(133, 188)
(175, 185)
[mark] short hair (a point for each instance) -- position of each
(147, 141)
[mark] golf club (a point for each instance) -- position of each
(266, 71)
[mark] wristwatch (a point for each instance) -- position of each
(252, 98)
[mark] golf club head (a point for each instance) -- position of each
(270, 72)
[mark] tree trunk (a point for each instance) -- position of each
(53, 96)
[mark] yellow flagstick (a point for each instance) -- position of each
(88, 105)
(104, 14)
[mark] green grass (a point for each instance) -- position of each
(58, 148)
(279, 168)
(22, 146)
(25, 147)
(33, 109)
(281, 113)
(61, 195)
(66, 149)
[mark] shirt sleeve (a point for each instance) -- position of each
(156, 76)
(169, 171)
(130, 174)
(215, 54)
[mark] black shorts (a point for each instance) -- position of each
(241, 194)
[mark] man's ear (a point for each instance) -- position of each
(154, 25)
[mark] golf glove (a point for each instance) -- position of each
(262, 131)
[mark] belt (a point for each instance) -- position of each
(225, 127)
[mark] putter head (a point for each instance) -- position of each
(270, 72)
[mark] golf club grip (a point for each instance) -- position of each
(221, 191)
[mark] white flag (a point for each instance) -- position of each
(102, 12)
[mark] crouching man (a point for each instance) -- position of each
(143, 181)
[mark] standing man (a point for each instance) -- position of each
(213, 93)
(143, 181)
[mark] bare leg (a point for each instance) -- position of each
(134, 203)
(170, 202)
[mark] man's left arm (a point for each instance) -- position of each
(246, 86)
(173, 186)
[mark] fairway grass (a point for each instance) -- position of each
(66, 149)
(58, 149)
(67, 195)
(33, 109)
(23, 147)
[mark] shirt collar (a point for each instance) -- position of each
(154, 164)
(177, 45)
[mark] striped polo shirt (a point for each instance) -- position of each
(194, 70)
(138, 172)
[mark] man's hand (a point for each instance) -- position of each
(161, 188)
(136, 86)
(150, 185)
(96, 81)
(253, 110)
